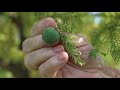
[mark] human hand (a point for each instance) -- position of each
(54, 62)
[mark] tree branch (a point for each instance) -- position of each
(17, 21)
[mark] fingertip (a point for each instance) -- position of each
(58, 49)
(51, 66)
(50, 22)
(39, 26)
(24, 46)
(63, 56)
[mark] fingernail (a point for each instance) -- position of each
(58, 49)
(61, 56)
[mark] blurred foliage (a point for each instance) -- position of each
(15, 27)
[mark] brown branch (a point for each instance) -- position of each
(19, 24)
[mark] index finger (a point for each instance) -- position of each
(39, 27)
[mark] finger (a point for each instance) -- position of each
(50, 67)
(39, 27)
(34, 43)
(91, 63)
(81, 41)
(85, 57)
(85, 48)
(35, 58)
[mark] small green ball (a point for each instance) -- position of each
(50, 36)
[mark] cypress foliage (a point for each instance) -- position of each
(106, 38)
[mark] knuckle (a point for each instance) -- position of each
(49, 19)
(84, 38)
(81, 36)
(49, 22)
(24, 45)
(28, 63)
(29, 44)
(39, 26)
(85, 48)
(46, 68)
(39, 41)
(41, 71)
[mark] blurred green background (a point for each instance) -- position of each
(15, 27)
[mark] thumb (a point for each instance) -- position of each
(50, 68)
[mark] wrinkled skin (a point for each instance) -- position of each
(54, 62)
